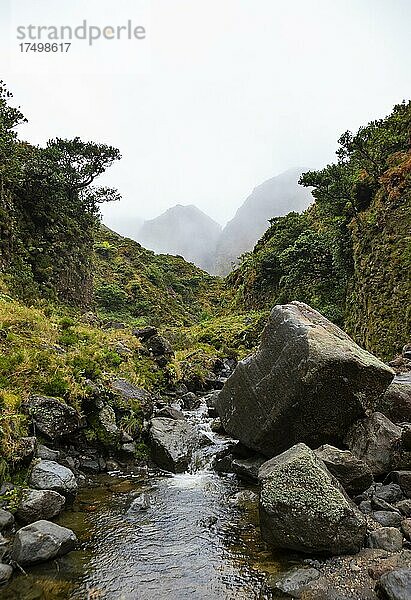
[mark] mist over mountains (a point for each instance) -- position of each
(189, 232)
(185, 231)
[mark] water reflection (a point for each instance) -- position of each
(190, 543)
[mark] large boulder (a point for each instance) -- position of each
(354, 474)
(172, 443)
(308, 382)
(53, 417)
(41, 541)
(49, 475)
(377, 441)
(39, 504)
(304, 508)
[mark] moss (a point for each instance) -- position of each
(378, 307)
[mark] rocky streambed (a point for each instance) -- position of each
(293, 479)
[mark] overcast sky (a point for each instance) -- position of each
(221, 95)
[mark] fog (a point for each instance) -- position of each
(220, 96)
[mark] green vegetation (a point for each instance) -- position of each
(348, 255)
(136, 285)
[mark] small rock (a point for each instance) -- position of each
(243, 499)
(247, 468)
(396, 585)
(354, 474)
(41, 541)
(365, 507)
(129, 449)
(191, 401)
(386, 538)
(170, 413)
(112, 465)
(6, 519)
(403, 478)
(404, 506)
(216, 425)
(293, 582)
(49, 475)
(89, 465)
(223, 464)
(145, 333)
(6, 571)
(36, 505)
(159, 346)
(389, 493)
(142, 502)
(387, 519)
(406, 529)
(47, 453)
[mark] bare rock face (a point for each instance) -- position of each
(39, 504)
(308, 382)
(304, 508)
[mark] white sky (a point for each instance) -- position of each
(222, 94)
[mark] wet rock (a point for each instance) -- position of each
(89, 465)
(6, 571)
(304, 508)
(354, 474)
(216, 425)
(142, 502)
(52, 417)
(244, 499)
(191, 401)
(223, 464)
(308, 382)
(396, 585)
(293, 582)
(210, 400)
(145, 333)
(375, 440)
(6, 519)
(387, 518)
(172, 443)
(129, 392)
(386, 538)
(112, 465)
(169, 412)
(39, 504)
(47, 453)
(247, 468)
(41, 541)
(49, 475)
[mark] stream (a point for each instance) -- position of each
(192, 541)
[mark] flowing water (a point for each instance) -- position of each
(192, 541)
